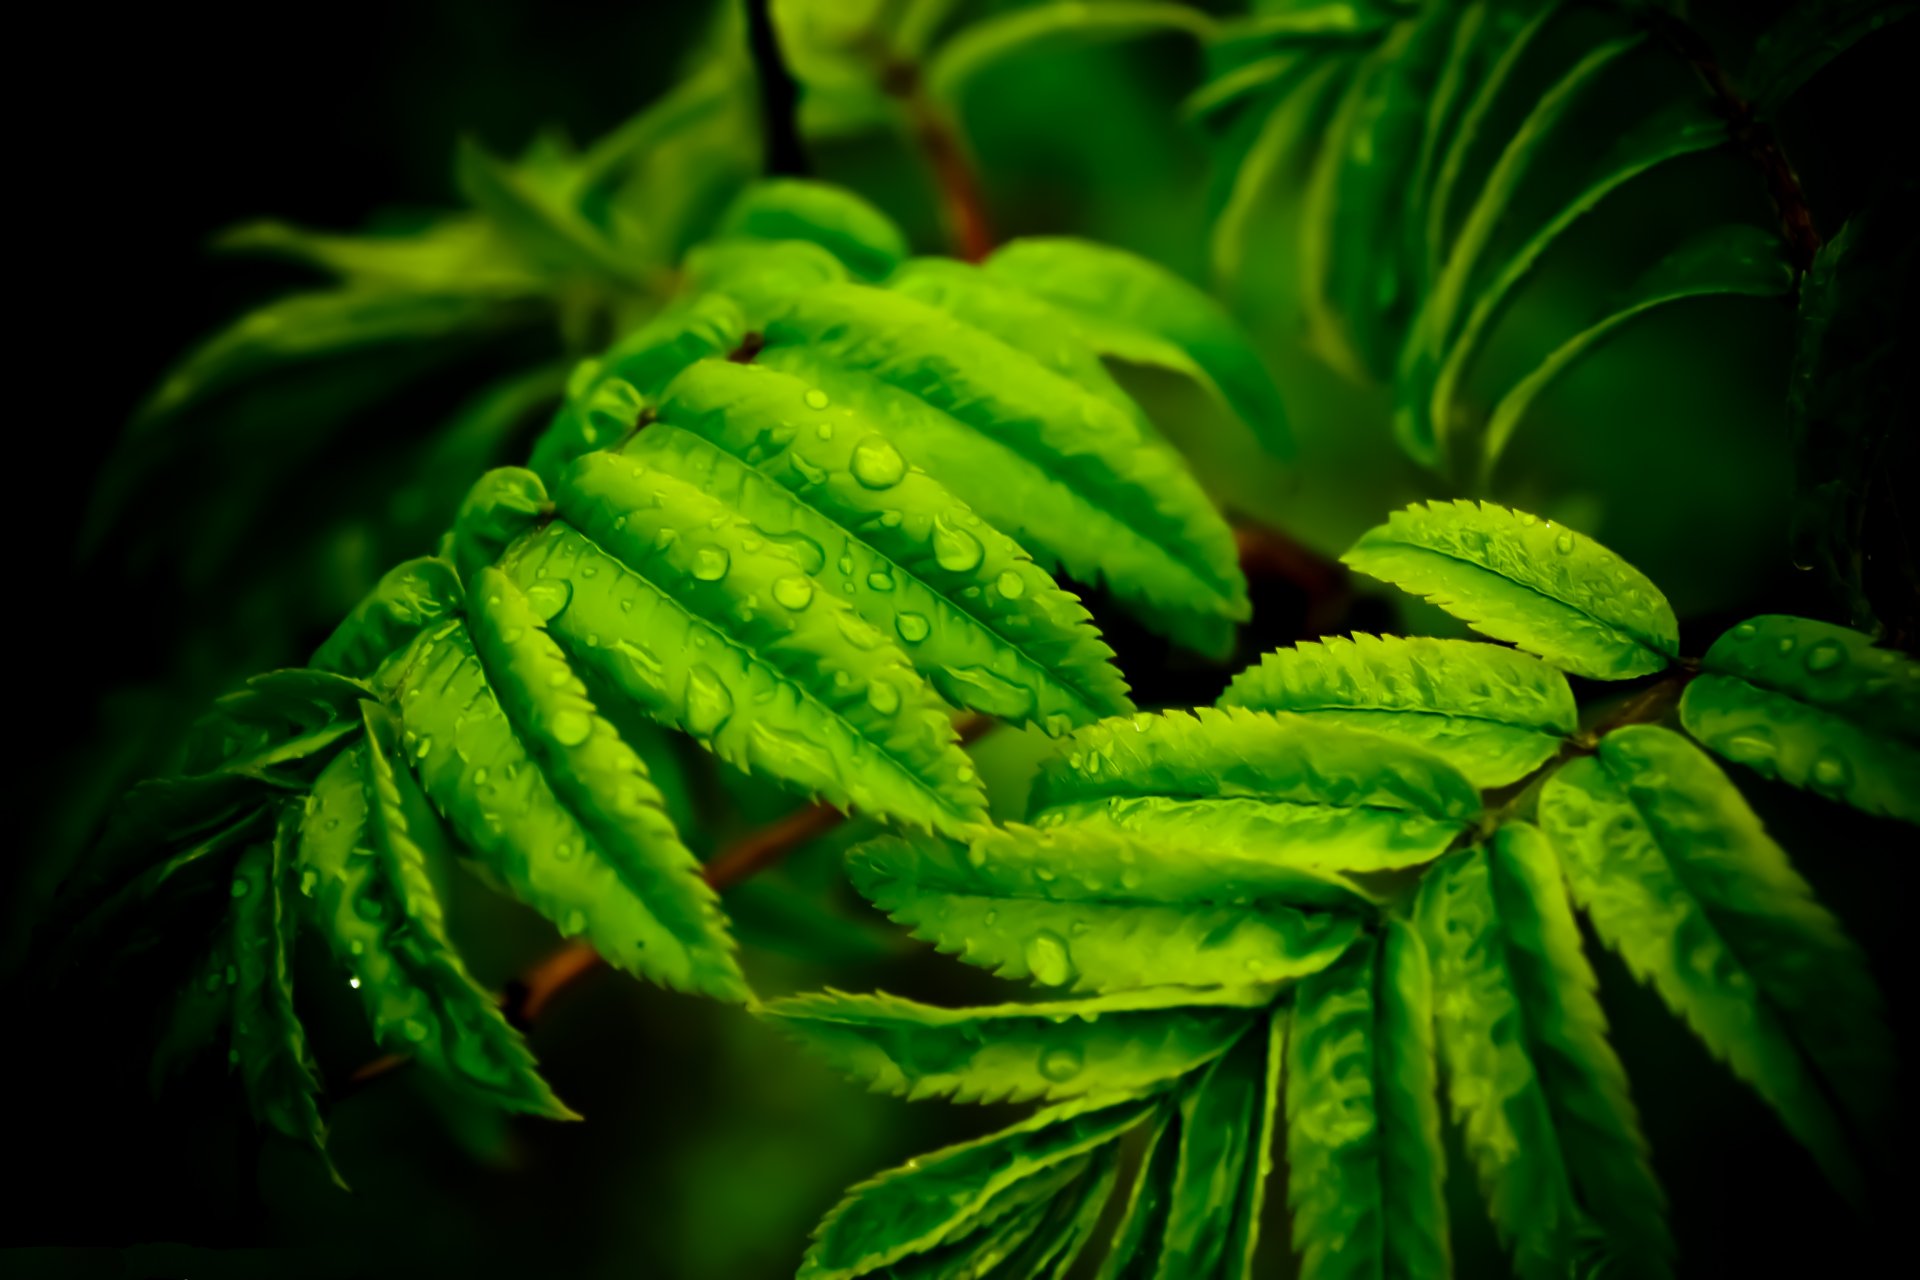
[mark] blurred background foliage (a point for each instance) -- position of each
(711, 1146)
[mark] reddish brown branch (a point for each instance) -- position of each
(962, 203)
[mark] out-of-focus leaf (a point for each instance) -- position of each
(1731, 261)
(981, 44)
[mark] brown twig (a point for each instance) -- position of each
(526, 997)
(961, 200)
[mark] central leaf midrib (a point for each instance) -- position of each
(1633, 636)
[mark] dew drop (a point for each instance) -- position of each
(883, 697)
(1011, 585)
(956, 550)
(877, 464)
(1564, 544)
(913, 627)
(710, 564)
(709, 705)
(549, 598)
(1048, 959)
(1061, 1064)
(793, 593)
(1831, 772)
(880, 580)
(1824, 656)
(570, 728)
(816, 398)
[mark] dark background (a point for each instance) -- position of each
(711, 1146)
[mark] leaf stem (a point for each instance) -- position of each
(962, 202)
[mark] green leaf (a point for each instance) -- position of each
(1017, 317)
(980, 44)
(1301, 101)
(1535, 1085)
(1136, 310)
(269, 1043)
(306, 326)
(987, 626)
(1683, 129)
(373, 902)
(1254, 802)
(1438, 322)
(1135, 1252)
(837, 220)
(1549, 590)
(502, 504)
(1357, 287)
(409, 598)
(549, 234)
(1492, 713)
(199, 1012)
(939, 1197)
(695, 328)
(761, 274)
(1056, 467)
(1733, 261)
(691, 612)
(278, 729)
(1816, 706)
(1220, 1173)
(452, 255)
(1363, 1130)
(1116, 1044)
(1095, 911)
(1678, 875)
(655, 895)
(616, 879)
